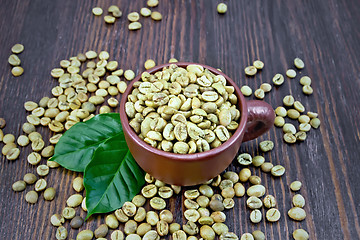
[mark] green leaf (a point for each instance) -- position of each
(112, 177)
(76, 147)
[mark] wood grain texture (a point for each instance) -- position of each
(325, 34)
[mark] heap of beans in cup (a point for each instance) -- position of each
(183, 110)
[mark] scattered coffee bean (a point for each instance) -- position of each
(297, 214)
(273, 215)
(300, 234)
(49, 194)
(77, 222)
(221, 8)
(32, 197)
(19, 186)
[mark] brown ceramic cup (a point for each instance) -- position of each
(257, 117)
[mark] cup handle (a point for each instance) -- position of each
(261, 118)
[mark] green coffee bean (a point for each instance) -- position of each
(299, 64)
(247, 236)
(300, 234)
(2, 123)
(307, 89)
(207, 233)
(74, 200)
(174, 227)
(19, 186)
(68, 213)
(78, 184)
(111, 221)
(228, 236)
(149, 191)
(143, 229)
(8, 138)
(228, 203)
(298, 201)
(57, 220)
(218, 216)
(192, 215)
(139, 200)
(293, 114)
(166, 216)
(278, 79)
(130, 227)
(315, 122)
(273, 215)
(28, 128)
(206, 190)
(206, 220)
(228, 192)
(40, 185)
(257, 161)
(30, 178)
(297, 214)
(269, 201)
(266, 87)
(266, 166)
(258, 235)
(246, 90)
(85, 235)
(255, 180)
(131, 237)
(13, 153)
(139, 216)
(259, 93)
(266, 146)
(216, 205)
(244, 174)
(49, 194)
(277, 171)
(61, 233)
(31, 197)
(42, 170)
(254, 202)
(244, 159)
(191, 194)
(23, 140)
(304, 119)
(191, 228)
(204, 212)
(305, 80)
(121, 216)
(203, 201)
(289, 138)
(101, 231)
(129, 209)
(220, 228)
(239, 190)
(288, 101)
(179, 235)
(152, 218)
(47, 151)
(289, 128)
(52, 164)
(295, 186)
(77, 222)
(290, 73)
(256, 190)
(162, 228)
(232, 176)
(221, 8)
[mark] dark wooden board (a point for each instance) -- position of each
(325, 34)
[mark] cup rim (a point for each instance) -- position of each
(192, 157)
